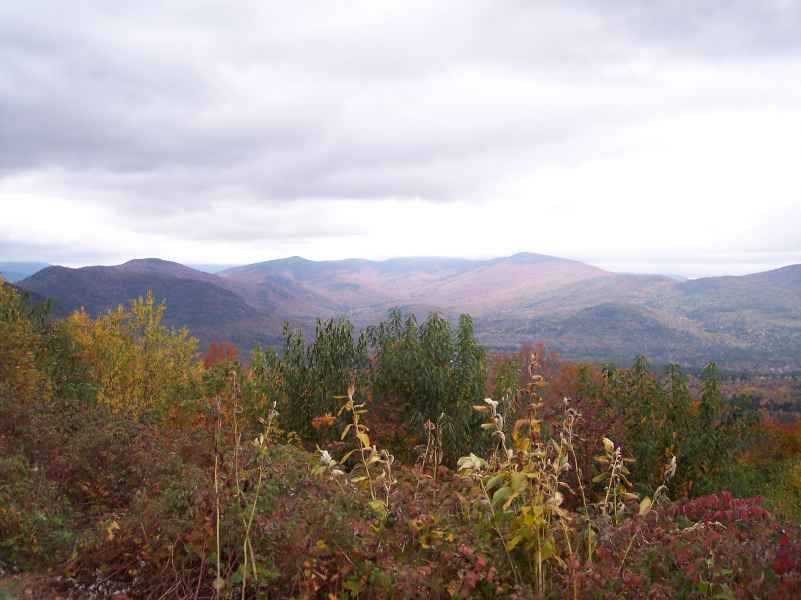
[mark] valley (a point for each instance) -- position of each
(751, 322)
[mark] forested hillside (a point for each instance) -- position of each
(751, 322)
(197, 300)
(403, 461)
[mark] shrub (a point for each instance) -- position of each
(146, 473)
(436, 373)
(36, 522)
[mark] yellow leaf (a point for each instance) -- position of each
(513, 542)
(378, 507)
(346, 457)
(112, 527)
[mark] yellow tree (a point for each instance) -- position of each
(19, 345)
(139, 364)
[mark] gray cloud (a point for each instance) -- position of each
(721, 29)
(166, 112)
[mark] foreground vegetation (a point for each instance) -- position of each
(401, 462)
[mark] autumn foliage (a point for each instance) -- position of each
(219, 353)
(403, 461)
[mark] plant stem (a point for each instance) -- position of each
(247, 543)
(498, 531)
(217, 503)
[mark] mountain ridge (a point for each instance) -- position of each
(194, 299)
(13, 271)
(583, 311)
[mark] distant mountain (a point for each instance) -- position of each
(742, 322)
(194, 299)
(365, 289)
(585, 312)
(15, 271)
(210, 268)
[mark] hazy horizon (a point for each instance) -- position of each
(646, 268)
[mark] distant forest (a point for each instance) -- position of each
(750, 323)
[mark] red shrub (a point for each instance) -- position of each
(219, 352)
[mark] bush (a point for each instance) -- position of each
(434, 372)
(36, 521)
(131, 467)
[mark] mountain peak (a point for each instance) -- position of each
(530, 257)
(159, 266)
(148, 261)
(151, 263)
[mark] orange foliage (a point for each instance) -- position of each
(323, 422)
(219, 352)
(781, 441)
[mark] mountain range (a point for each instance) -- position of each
(15, 271)
(747, 322)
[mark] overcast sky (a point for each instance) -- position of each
(659, 136)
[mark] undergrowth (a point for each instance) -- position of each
(207, 487)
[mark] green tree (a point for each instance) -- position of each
(307, 382)
(435, 371)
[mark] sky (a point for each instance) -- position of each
(660, 136)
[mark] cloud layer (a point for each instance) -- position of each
(621, 132)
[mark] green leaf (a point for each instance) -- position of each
(725, 593)
(495, 481)
(378, 508)
(548, 549)
(501, 495)
(354, 584)
(518, 482)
